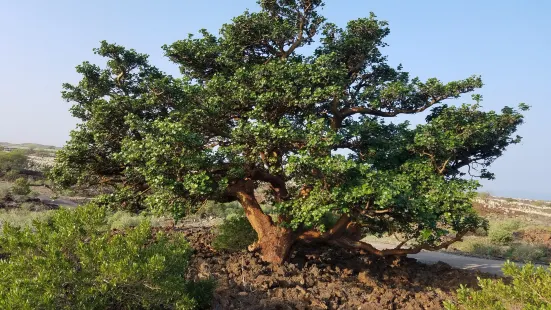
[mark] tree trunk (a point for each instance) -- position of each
(274, 242)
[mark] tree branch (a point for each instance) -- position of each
(364, 110)
(336, 231)
(277, 182)
(360, 245)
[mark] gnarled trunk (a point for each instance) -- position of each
(274, 242)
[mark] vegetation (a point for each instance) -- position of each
(530, 288)
(12, 162)
(72, 262)
(251, 109)
(21, 186)
(235, 233)
(122, 220)
(502, 233)
(500, 242)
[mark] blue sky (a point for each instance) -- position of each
(507, 42)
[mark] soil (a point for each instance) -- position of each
(323, 278)
(535, 235)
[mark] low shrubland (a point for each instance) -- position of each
(502, 241)
(528, 288)
(73, 261)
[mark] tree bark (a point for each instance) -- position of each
(274, 242)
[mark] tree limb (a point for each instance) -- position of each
(360, 245)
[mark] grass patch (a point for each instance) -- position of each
(122, 220)
(522, 252)
(20, 217)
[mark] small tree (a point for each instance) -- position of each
(530, 288)
(251, 110)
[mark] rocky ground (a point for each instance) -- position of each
(323, 278)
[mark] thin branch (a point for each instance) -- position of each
(364, 110)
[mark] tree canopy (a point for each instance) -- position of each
(251, 110)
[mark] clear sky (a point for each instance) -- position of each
(508, 42)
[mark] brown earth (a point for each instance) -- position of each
(323, 278)
(535, 235)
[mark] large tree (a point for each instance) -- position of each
(250, 110)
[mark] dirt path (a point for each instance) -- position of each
(492, 266)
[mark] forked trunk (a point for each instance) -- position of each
(274, 242)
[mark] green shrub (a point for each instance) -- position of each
(221, 210)
(500, 236)
(21, 186)
(527, 252)
(235, 233)
(480, 247)
(122, 220)
(14, 160)
(510, 225)
(530, 288)
(72, 262)
(501, 233)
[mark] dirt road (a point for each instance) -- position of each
(458, 261)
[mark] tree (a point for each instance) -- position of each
(250, 111)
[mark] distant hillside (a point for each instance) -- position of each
(35, 146)
(511, 207)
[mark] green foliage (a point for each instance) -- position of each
(122, 220)
(501, 233)
(517, 251)
(72, 262)
(23, 217)
(252, 107)
(500, 236)
(530, 289)
(220, 210)
(21, 186)
(235, 233)
(13, 161)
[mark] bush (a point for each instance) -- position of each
(221, 210)
(530, 288)
(21, 186)
(500, 236)
(13, 161)
(72, 262)
(516, 251)
(480, 247)
(122, 220)
(501, 233)
(528, 252)
(235, 233)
